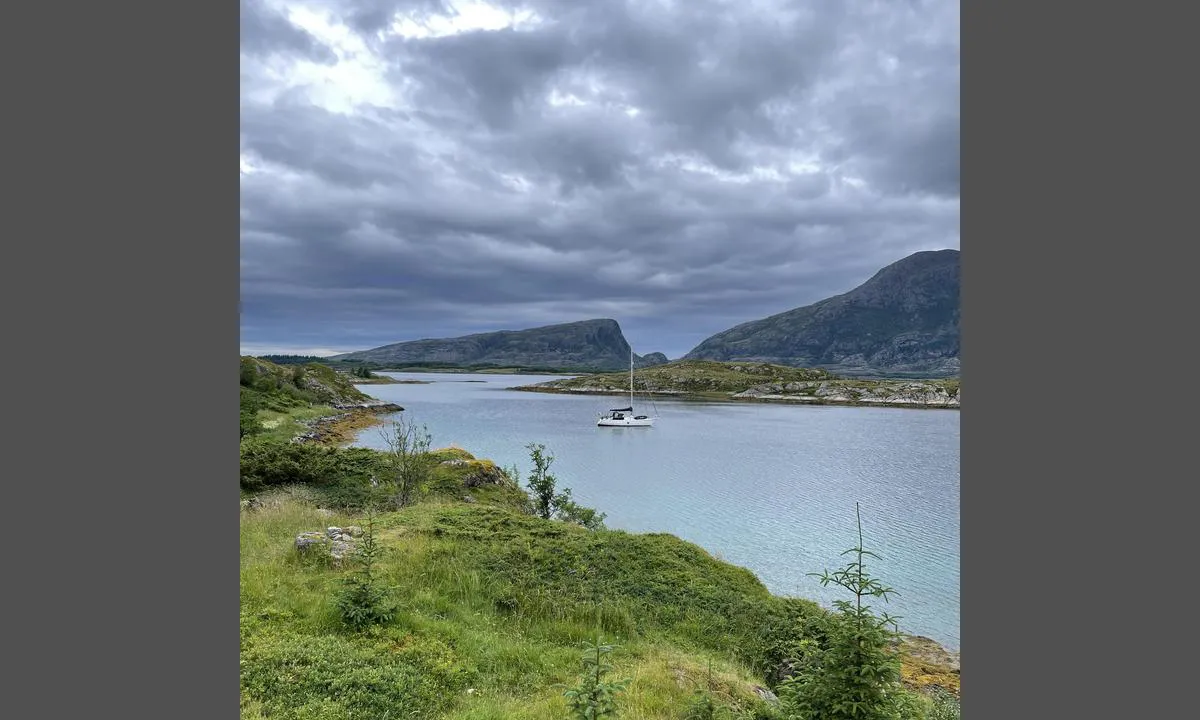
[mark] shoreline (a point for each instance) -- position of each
(738, 398)
(340, 429)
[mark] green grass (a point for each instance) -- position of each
(495, 601)
(285, 425)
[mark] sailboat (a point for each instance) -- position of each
(624, 417)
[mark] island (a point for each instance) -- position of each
(760, 382)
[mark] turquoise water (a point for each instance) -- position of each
(768, 487)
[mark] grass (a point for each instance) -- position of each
(285, 425)
(494, 601)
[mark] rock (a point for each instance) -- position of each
(469, 499)
(339, 549)
(306, 540)
(766, 694)
(484, 474)
(333, 532)
(354, 530)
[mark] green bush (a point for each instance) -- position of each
(546, 501)
(849, 669)
(266, 462)
(250, 404)
(363, 602)
(594, 696)
(303, 676)
(409, 464)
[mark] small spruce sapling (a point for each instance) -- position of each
(363, 602)
(855, 673)
(594, 696)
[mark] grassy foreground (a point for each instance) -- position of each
(493, 605)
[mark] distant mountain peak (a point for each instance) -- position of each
(903, 320)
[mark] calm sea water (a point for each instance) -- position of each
(769, 487)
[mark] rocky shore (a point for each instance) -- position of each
(901, 394)
(341, 428)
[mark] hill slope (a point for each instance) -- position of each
(904, 320)
(594, 344)
(280, 387)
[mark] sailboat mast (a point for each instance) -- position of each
(631, 376)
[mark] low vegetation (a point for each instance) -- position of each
(707, 379)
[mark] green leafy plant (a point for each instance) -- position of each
(541, 483)
(363, 602)
(854, 674)
(250, 404)
(594, 696)
(547, 501)
(410, 463)
(567, 510)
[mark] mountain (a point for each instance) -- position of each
(587, 344)
(903, 321)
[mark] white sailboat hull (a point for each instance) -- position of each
(640, 421)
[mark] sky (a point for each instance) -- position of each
(426, 168)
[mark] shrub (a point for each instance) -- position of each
(546, 501)
(409, 463)
(594, 696)
(250, 405)
(853, 672)
(267, 462)
(363, 602)
(541, 483)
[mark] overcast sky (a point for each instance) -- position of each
(423, 168)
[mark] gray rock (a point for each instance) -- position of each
(307, 540)
(339, 549)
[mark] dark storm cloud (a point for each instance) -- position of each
(681, 167)
(266, 31)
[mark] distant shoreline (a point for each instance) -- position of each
(733, 398)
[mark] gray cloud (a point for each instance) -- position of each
(680, 167)
(265, 31)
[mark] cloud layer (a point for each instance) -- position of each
(416, 168)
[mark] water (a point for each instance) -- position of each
(768, 487)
